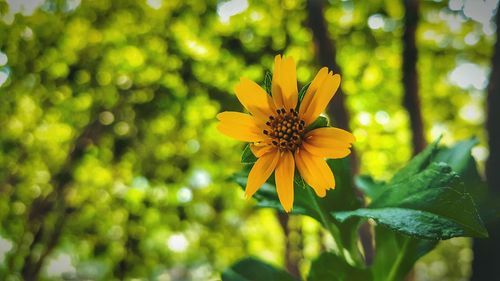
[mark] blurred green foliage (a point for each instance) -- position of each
(139, 83)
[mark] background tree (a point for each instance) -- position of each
(411, 100)
(487, 251)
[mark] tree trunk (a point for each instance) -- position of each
(411, 99)
(326, 55)
(487, 251)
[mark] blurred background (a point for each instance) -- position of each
(110, 164)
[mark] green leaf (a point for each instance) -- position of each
(302, 93)
(329, 266)
(370, 187)
(411, 222)
(268, 82)
(459, 158)
(320, 122)
(430, 204)
(251, 269)
(373, 188)
(418, 163)
(461, 161)
(247, 156)
(396, 254)
(399, 252)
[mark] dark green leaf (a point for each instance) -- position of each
(343, 196)
(251, 269)
(330, 267)
(430, 204)
(247, 156)
(302, 93)
(370, 187)
(320, 122)
(268, 82)
(411, 222)
(461, 161)
(406, 193)
(392, 246)
(459, 158)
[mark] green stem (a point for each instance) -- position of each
(331, 228)
(393, 274)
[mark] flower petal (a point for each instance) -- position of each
(320, 98)
(289, 83)
(313, 87)
(333, 133)
(314, 171)
(254, 99)
(276, 86)
(326, 151)
(329, 142)
(240, 126)
(284, 87)
(284, 180)
(259, 149)
(261, 171)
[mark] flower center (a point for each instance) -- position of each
(286, 129)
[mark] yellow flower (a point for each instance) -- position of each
(277, 131)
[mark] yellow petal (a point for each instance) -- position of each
(284, 180)
(284, 86)
(276, 85)
(328, 142)
(240, 126)
(320, 98)
(261, 171)
(314, 171)
(254, 99)
(333, 133)
(326, 151)
(289, 83)
(262, 148)
(307, 174)
(313, 87)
